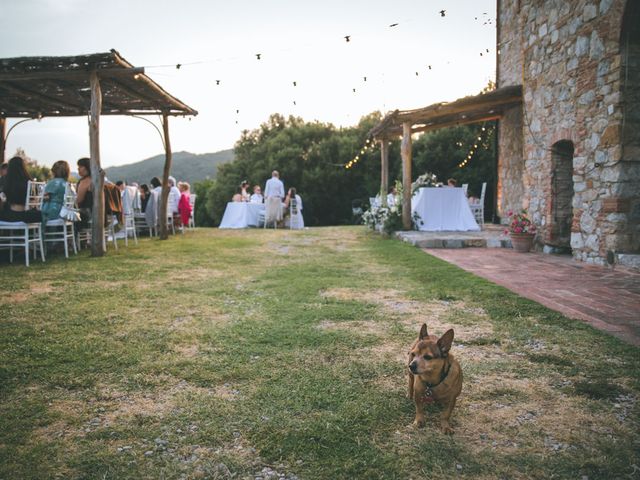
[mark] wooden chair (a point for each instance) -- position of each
(22, 234)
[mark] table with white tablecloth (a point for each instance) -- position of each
(241, 215)
(443, 209)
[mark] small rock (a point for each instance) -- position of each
(458, 467)
(148, 453)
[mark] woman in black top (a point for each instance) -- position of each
(144, 196)
(15, 190)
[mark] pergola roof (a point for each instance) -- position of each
(472, 109)
(59, 86)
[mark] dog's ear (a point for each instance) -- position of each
(423, 332)
(445, 341)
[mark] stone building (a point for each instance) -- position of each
(570, 152)
(568, 105)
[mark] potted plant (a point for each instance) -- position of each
(521, 230)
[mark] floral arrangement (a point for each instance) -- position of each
(388, 219)
(519, 223)
(427, 179)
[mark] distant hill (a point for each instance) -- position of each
(184, 167)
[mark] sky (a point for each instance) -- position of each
(298, 41)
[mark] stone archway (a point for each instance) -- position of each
(561, 212)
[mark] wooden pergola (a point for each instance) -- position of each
(92, 85)
(474, 109)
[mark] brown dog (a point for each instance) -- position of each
(434, 375)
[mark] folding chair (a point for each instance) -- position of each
(60, 229)
(478, 208)
(192, 215)
(22, 234)
(128, 214)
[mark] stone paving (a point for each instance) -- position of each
(606, 298)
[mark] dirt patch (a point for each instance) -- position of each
(411, 314)
(35, 288)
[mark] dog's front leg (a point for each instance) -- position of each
(446, 414)
(410, 391)
(418, 399)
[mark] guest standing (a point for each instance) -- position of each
(274, 186)
(184, 206)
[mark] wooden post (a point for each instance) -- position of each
(3, 135)
(97, 175)
(384, 170)
(164, 198)
(406, 175)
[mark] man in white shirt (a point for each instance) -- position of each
(274, 186)
(257, 195)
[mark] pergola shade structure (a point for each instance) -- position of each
(93, 85)
(479, 108)
(35, 87)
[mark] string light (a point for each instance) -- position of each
(367, 145)
(473, 150)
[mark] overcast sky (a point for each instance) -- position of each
(299, 41)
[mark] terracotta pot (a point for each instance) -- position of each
(522, 242)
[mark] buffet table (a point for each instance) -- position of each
(241, 215)
(443, 209)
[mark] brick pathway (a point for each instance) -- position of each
(608, 299)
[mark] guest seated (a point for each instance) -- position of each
(184, 206)
(452, 182)
(15, 191)
(392, 197)
(473, 200)
(237, 197)
(84, 197)
(145, 194)
(257, 195)
(156, 185)
(54, 191)
(244, 187)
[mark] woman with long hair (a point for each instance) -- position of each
(15, 191)
(54, 191)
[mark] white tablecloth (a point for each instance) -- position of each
(443, 209)
(241, 215)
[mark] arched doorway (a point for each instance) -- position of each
(629, 187)
(559, 237)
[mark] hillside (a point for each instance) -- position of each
(185, 166)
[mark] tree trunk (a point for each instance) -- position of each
(164, 198)
(406, 175)
(97, 175)
(384, 173)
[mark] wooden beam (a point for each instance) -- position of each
(405, 151)
(164, 199)
(133, 93)
(3, 137)
(48, 100)
(384, 170)
(97, 175)
(71, 75)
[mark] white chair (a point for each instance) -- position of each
(172, 211)
(192, 215)
(272, 211)
(465, 187)
(128, 214)
(60, 229)
(478, 208)
(22, 234)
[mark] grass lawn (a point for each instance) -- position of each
(222, 354)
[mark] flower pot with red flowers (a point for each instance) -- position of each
(521, 230)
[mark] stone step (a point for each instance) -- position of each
(453, 240)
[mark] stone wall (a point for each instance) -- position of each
(571, 81)
(510, 163)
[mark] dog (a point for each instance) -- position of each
(434, 375)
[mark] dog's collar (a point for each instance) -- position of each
(443, 374)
